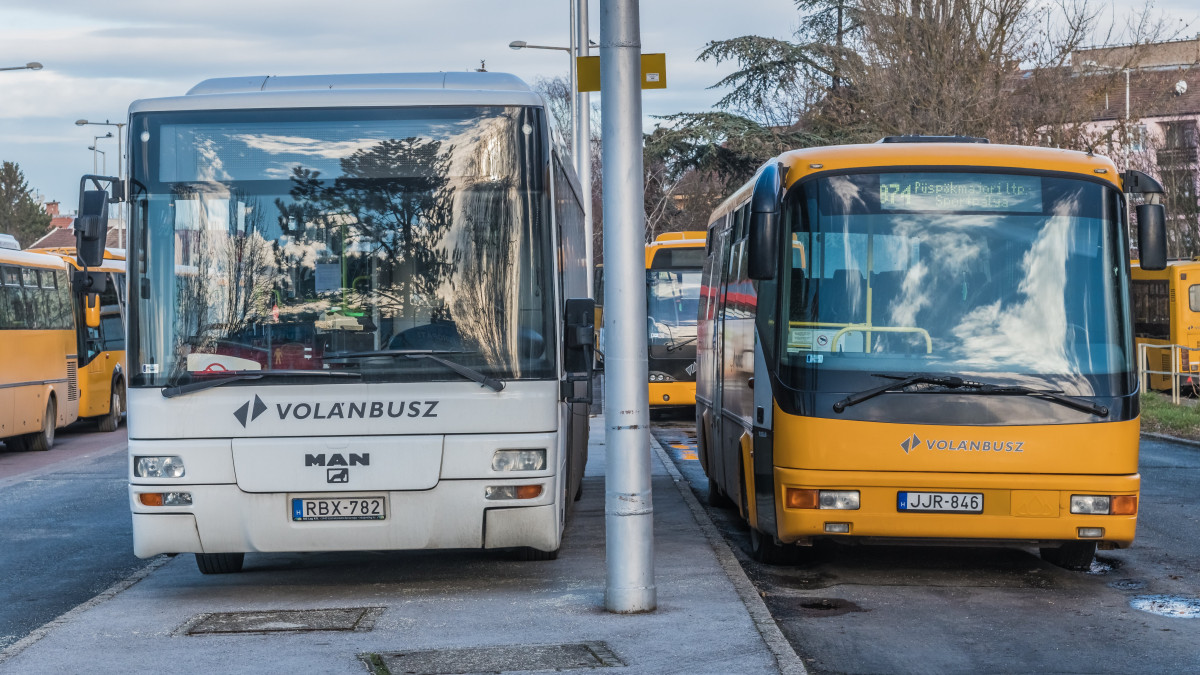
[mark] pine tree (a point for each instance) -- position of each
(20, 215)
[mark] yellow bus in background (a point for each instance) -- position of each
(101, 349)
(1166, 311)
(39, 388)
(947, 355)
(673, 264)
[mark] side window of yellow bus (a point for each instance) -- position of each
(1194, 297)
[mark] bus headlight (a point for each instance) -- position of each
(519, 460)
(800, 498)
(169, 466)
(656, 376)
(1091, 504)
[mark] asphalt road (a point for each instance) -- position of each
(896, 609)
(65, 527)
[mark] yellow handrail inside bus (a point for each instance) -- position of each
(867, 328)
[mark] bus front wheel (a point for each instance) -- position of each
(220, 563)
(764, 549)
(1073, 555)
(44, 440)
(112, 420)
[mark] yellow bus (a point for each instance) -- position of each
(673, 262)
(1166, 311)
(39, 389)
(925, 340)
(101, 348)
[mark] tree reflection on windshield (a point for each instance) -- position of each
(414, 242)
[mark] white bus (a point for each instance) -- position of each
(357, 318)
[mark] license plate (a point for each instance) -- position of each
(940, 502)
(339, 508)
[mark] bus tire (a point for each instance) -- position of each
(763, 549)
(112, 420)
(220, 563)
(715, 498)
(531, 554)
(1073, 555)
(43, 440)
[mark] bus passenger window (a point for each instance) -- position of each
(1194, 297)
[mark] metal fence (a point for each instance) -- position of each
(1178, 354)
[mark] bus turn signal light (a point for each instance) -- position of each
(798, 498)
(1124, 505)
(165, 498)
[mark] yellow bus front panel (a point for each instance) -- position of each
(672, 393)
(1024, 475)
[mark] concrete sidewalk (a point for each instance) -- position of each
(431, 611)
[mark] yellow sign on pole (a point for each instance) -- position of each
(654, 72)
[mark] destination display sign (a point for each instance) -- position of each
(960, 192)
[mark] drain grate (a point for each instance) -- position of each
(284, 621)
(498, 659)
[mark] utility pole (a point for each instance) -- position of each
(583, 137)
(628, 509)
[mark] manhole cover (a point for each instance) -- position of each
(284, 620)
(498, 659)
(1174, 606)
(1128, 584)
(811, 607)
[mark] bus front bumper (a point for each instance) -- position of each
(672, 393)
(1017, 508)
(454, 514)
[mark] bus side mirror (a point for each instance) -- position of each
(762, 243)
(91, 227)
(1152, 236)
(580, 338)
(91, 310)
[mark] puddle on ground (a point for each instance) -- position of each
(1173, 606)
(792, 608)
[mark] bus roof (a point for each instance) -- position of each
(690, 239)
(356, 90)
(31, 259)
(801, 163)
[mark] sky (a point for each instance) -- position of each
(98, 57)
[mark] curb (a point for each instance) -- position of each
(785, 657)
(68, 616)
(1170, 439)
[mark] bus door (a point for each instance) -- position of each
(97, 353)
(726, 431)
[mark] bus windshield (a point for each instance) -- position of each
(339, 239)
(1003, 277)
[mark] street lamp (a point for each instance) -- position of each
(521, 44)
(120, 173)
(32, 65)
(94, 150)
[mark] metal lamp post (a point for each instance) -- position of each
(521, 44)
(32, 65)
(120, 172)
(95, 150)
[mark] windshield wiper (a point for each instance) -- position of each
(431, 354)
(679, 345)
(983, 388)
(193, 387)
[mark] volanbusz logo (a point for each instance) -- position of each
(910, 443)
(259, 408)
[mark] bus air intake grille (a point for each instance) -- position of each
(72, 381)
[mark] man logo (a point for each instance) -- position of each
(259, 408)
(337, 475)
(910, 444)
